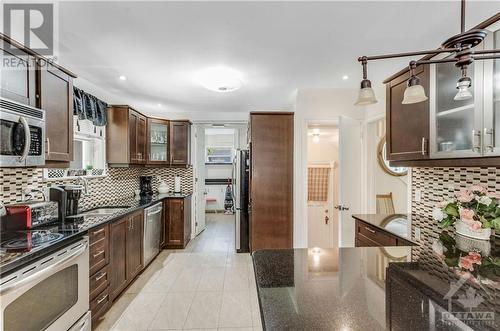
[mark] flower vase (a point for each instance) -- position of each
(465, 230)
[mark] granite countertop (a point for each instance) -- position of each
(396, 224)
(346, 288)
(71, 230)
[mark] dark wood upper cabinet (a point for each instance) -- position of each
(125, 136)
(17, 75)
(271, 180)
(55, 89)
(180, 143)
(158, 142)
(407, 125)
(177, 222)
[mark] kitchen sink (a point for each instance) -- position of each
(103, 211)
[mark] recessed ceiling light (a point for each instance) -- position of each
(123, 77)
(159, 105)
(220, 79)
(345, 77)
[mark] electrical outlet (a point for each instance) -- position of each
(417, 233)
(418, 195)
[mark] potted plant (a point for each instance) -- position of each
(474, 211)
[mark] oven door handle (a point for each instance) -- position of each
(27, 138)
(33, 278)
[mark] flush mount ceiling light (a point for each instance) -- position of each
(460, 46)
(220, 79)
(315, 135)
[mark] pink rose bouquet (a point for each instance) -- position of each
(474, 206)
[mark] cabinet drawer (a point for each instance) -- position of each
(376, 235)
(98, 282)
(98, 256)
(99, 305)
(98, 234)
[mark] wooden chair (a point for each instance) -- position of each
(385, 204)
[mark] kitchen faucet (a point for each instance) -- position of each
(83, 180)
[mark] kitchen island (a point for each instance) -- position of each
(379, 288)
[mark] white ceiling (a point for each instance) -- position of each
(278, 46)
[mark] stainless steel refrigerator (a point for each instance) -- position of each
(241, 173)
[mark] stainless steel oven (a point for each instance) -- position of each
(50, 294)
(22, 135)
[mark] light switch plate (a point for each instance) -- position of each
(417, 233)
(418, 195)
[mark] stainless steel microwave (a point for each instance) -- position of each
(22, 135)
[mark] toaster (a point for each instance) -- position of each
(28, 215)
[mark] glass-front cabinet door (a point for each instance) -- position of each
(491, 122)
(455, 128)
(158, 141)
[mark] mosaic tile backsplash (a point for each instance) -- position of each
(437, 184)
(119, 183)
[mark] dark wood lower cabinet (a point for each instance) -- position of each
(134, 245)
(406, 307)
(368, 235)
(118, 262)
(177, 222)
(126, 252)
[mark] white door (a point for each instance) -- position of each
(321, 223)
(349, 201)
(200, 177)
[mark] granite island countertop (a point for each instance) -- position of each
(351, 289)
(71, 230)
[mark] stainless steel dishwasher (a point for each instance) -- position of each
(152, 229)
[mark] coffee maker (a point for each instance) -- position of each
(67, 197)
(146, 188)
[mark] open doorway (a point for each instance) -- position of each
(214, 208)
(322, 185)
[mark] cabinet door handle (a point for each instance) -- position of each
(476, 147)
(424, 146)
(102, 299)
(370, 230)
(98, 253)
(491, 146)
(101, 275)
(97, 232)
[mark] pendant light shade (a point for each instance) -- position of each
(414, 93)
(463, 86)
(366, 94)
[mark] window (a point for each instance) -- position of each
(219, 145)
(89, 153)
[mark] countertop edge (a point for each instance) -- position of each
(23, 261)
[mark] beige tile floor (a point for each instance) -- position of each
(206, 286)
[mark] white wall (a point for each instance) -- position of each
(323, 104)
(380, 181)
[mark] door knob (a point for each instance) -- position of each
(326, 219)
